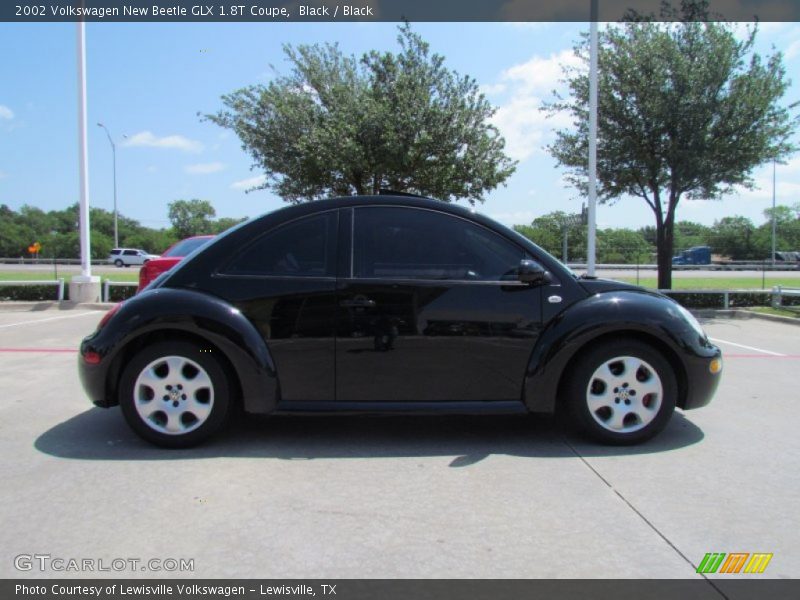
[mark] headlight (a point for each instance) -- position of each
(692, 320)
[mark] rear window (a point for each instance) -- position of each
(186, 247)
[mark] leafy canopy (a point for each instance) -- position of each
(337, 125)
(191, 217)
(684, 110)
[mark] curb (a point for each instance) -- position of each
(12, 306)
(744, 314)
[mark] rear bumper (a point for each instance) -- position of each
(93, 378)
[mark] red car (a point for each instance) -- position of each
(173, 255)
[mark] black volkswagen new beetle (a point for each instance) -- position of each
(392, 303)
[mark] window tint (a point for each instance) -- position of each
(130, 253)
(302, 248)
(408, 243)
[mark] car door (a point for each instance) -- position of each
(432, 310)
(130, 257)
(284, 282)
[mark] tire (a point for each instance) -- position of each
(118, 263)
(621, 393)
(174, 394)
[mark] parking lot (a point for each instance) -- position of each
(450, 497)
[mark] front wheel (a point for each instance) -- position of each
(174, 394)
(621, 393)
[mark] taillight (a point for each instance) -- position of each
(92, 358)
(145, 277)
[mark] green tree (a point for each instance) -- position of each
(734, 237)
(622, 246)
(225, 223)
(787, 229)
(685, 110)
(191, 217)
(548, 232)
(151, 240)
(342, 125)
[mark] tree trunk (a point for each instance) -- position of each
(665, 236)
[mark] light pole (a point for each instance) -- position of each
(114, 162)
(774, 221)
(591, 242)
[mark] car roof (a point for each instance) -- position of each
(378, 200)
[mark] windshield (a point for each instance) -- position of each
(186, 247)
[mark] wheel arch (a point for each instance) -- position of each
(639, 315)
(171, 314)
(137, 343)
(644, 337)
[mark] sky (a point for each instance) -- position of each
(149, 82)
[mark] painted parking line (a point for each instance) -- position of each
(770, 352)
(38, 350)
(765, 356)
(83, 314)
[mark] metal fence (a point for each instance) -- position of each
(59, 283)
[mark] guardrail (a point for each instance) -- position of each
(778, 292)
(734, 265)
(10, 260)
(107, 283)
(58, 282)
(728, 266)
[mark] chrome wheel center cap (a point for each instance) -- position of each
(174, 395)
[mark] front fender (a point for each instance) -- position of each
(622, 312)
(169, 311)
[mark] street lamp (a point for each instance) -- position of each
(774, 222)
(114, 160)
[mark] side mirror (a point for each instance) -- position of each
(530, 272)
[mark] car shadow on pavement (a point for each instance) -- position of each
(101, 434)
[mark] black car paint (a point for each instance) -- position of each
(333, 342)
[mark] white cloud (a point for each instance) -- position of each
(251, 182)
(5, 112)
(520, 119)
(540, 74)
(204, 168)
(793, 50)
(177, 142)
(520, 217)
(492, 88)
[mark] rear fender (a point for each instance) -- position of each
(169, 312)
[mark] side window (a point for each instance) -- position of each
(130, 253)
(409, 243)
(302, 248)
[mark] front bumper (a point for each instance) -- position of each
(701, 382)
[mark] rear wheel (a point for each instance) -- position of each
(118, 263)
(174, 394)
(621, 393)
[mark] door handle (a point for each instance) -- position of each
(357, 302)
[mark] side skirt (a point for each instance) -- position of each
(422, 408)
